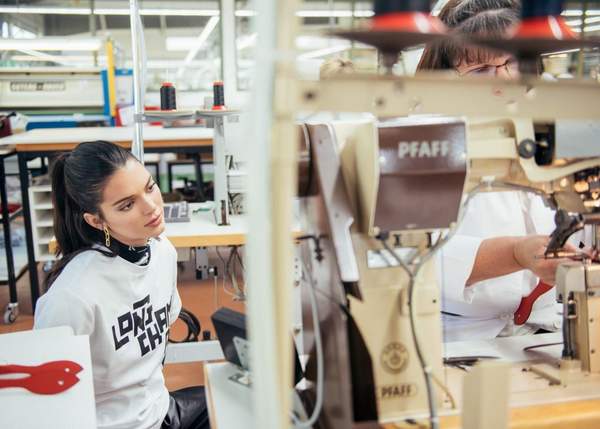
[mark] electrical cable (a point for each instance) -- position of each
(306, 424)
(239, 295)
(427, 372)
(216, 292)
(225, 273)
(193, 326)
(237, 259)
(442, 386)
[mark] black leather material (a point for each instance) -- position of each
(187, 410)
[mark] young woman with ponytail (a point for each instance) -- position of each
(116, 282)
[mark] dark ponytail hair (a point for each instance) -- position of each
(469, 17)
(78, 181)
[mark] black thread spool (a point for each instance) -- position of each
(218, 96)
(167, 97)
(541, 8)
(393, 6)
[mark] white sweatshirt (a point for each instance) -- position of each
(126, 309)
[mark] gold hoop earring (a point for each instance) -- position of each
(106, 237)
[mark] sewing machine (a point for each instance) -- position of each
(388, 186)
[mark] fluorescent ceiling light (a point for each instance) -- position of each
(577, 22)
(175, 44)
(323, 52)
(181, 12)
(578, 12)
(560, 53)
(105, 11)
(304, 43)
(334, 13)
(242, 12)
(244, 42)
(200, 41)
(45, 57)
(173, 65)
(588, 29)
(48, 10)
(71, 59)
(51, 44)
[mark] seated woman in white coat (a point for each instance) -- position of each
(490, 263)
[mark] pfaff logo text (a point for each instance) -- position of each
(423, 149)
(393, 391)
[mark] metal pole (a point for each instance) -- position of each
(271, 177)
(93, 28)
(228, 48)
(221, 170)
(31, 262)
(10, 262)
(137, 145)
(580, 58)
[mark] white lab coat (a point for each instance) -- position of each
(486, 308)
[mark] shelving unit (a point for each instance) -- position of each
(42, 220)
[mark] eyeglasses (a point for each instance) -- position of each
(511, 66)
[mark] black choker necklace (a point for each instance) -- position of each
(139, 255)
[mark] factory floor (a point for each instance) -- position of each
(197, 296)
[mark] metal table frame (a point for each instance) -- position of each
(12, 309)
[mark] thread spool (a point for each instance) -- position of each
(218, 96)
(167, 97)
(383, 7)
(541, 8)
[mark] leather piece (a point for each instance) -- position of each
(187, 409)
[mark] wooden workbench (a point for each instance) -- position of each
(64, 139)
(203, 231)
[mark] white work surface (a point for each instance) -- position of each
(507, 348)
(229, 403)
(202, 230)
(72, 409)
(115, 134)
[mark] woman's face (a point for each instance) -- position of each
(132, 206)
(503, 66)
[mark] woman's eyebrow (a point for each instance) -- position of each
(122, 200)
(131, 196)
